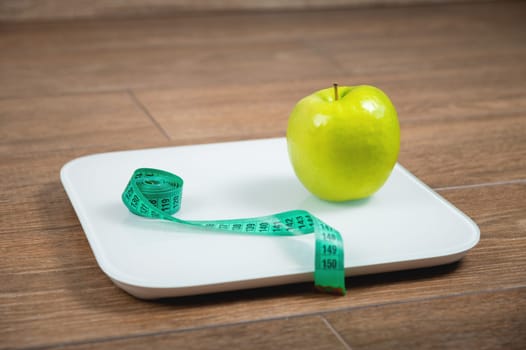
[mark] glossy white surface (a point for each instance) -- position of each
(404, 225)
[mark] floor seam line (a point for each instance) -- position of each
(483, 184)
(335, 332)
(145, 110)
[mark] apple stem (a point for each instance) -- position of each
(336, 97)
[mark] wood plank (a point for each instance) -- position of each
(498, 24)
(498, 210)
(464, 152)
(37, 10)
(239, 48)
(413, 55)
(295, 333)
(494, 320)
(230, 113)
(39, 135)
(197, 64)
(57, 279)
(77, 121)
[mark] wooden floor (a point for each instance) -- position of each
(457, 74)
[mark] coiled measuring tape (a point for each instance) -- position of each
(157, 194)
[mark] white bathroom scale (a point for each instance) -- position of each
(404, 225)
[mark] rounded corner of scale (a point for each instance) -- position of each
(66, 168)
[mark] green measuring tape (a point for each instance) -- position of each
(157, 194)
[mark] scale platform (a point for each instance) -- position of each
(405, 225)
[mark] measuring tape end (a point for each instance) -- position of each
(331, 290)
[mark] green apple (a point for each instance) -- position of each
(343, 142)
